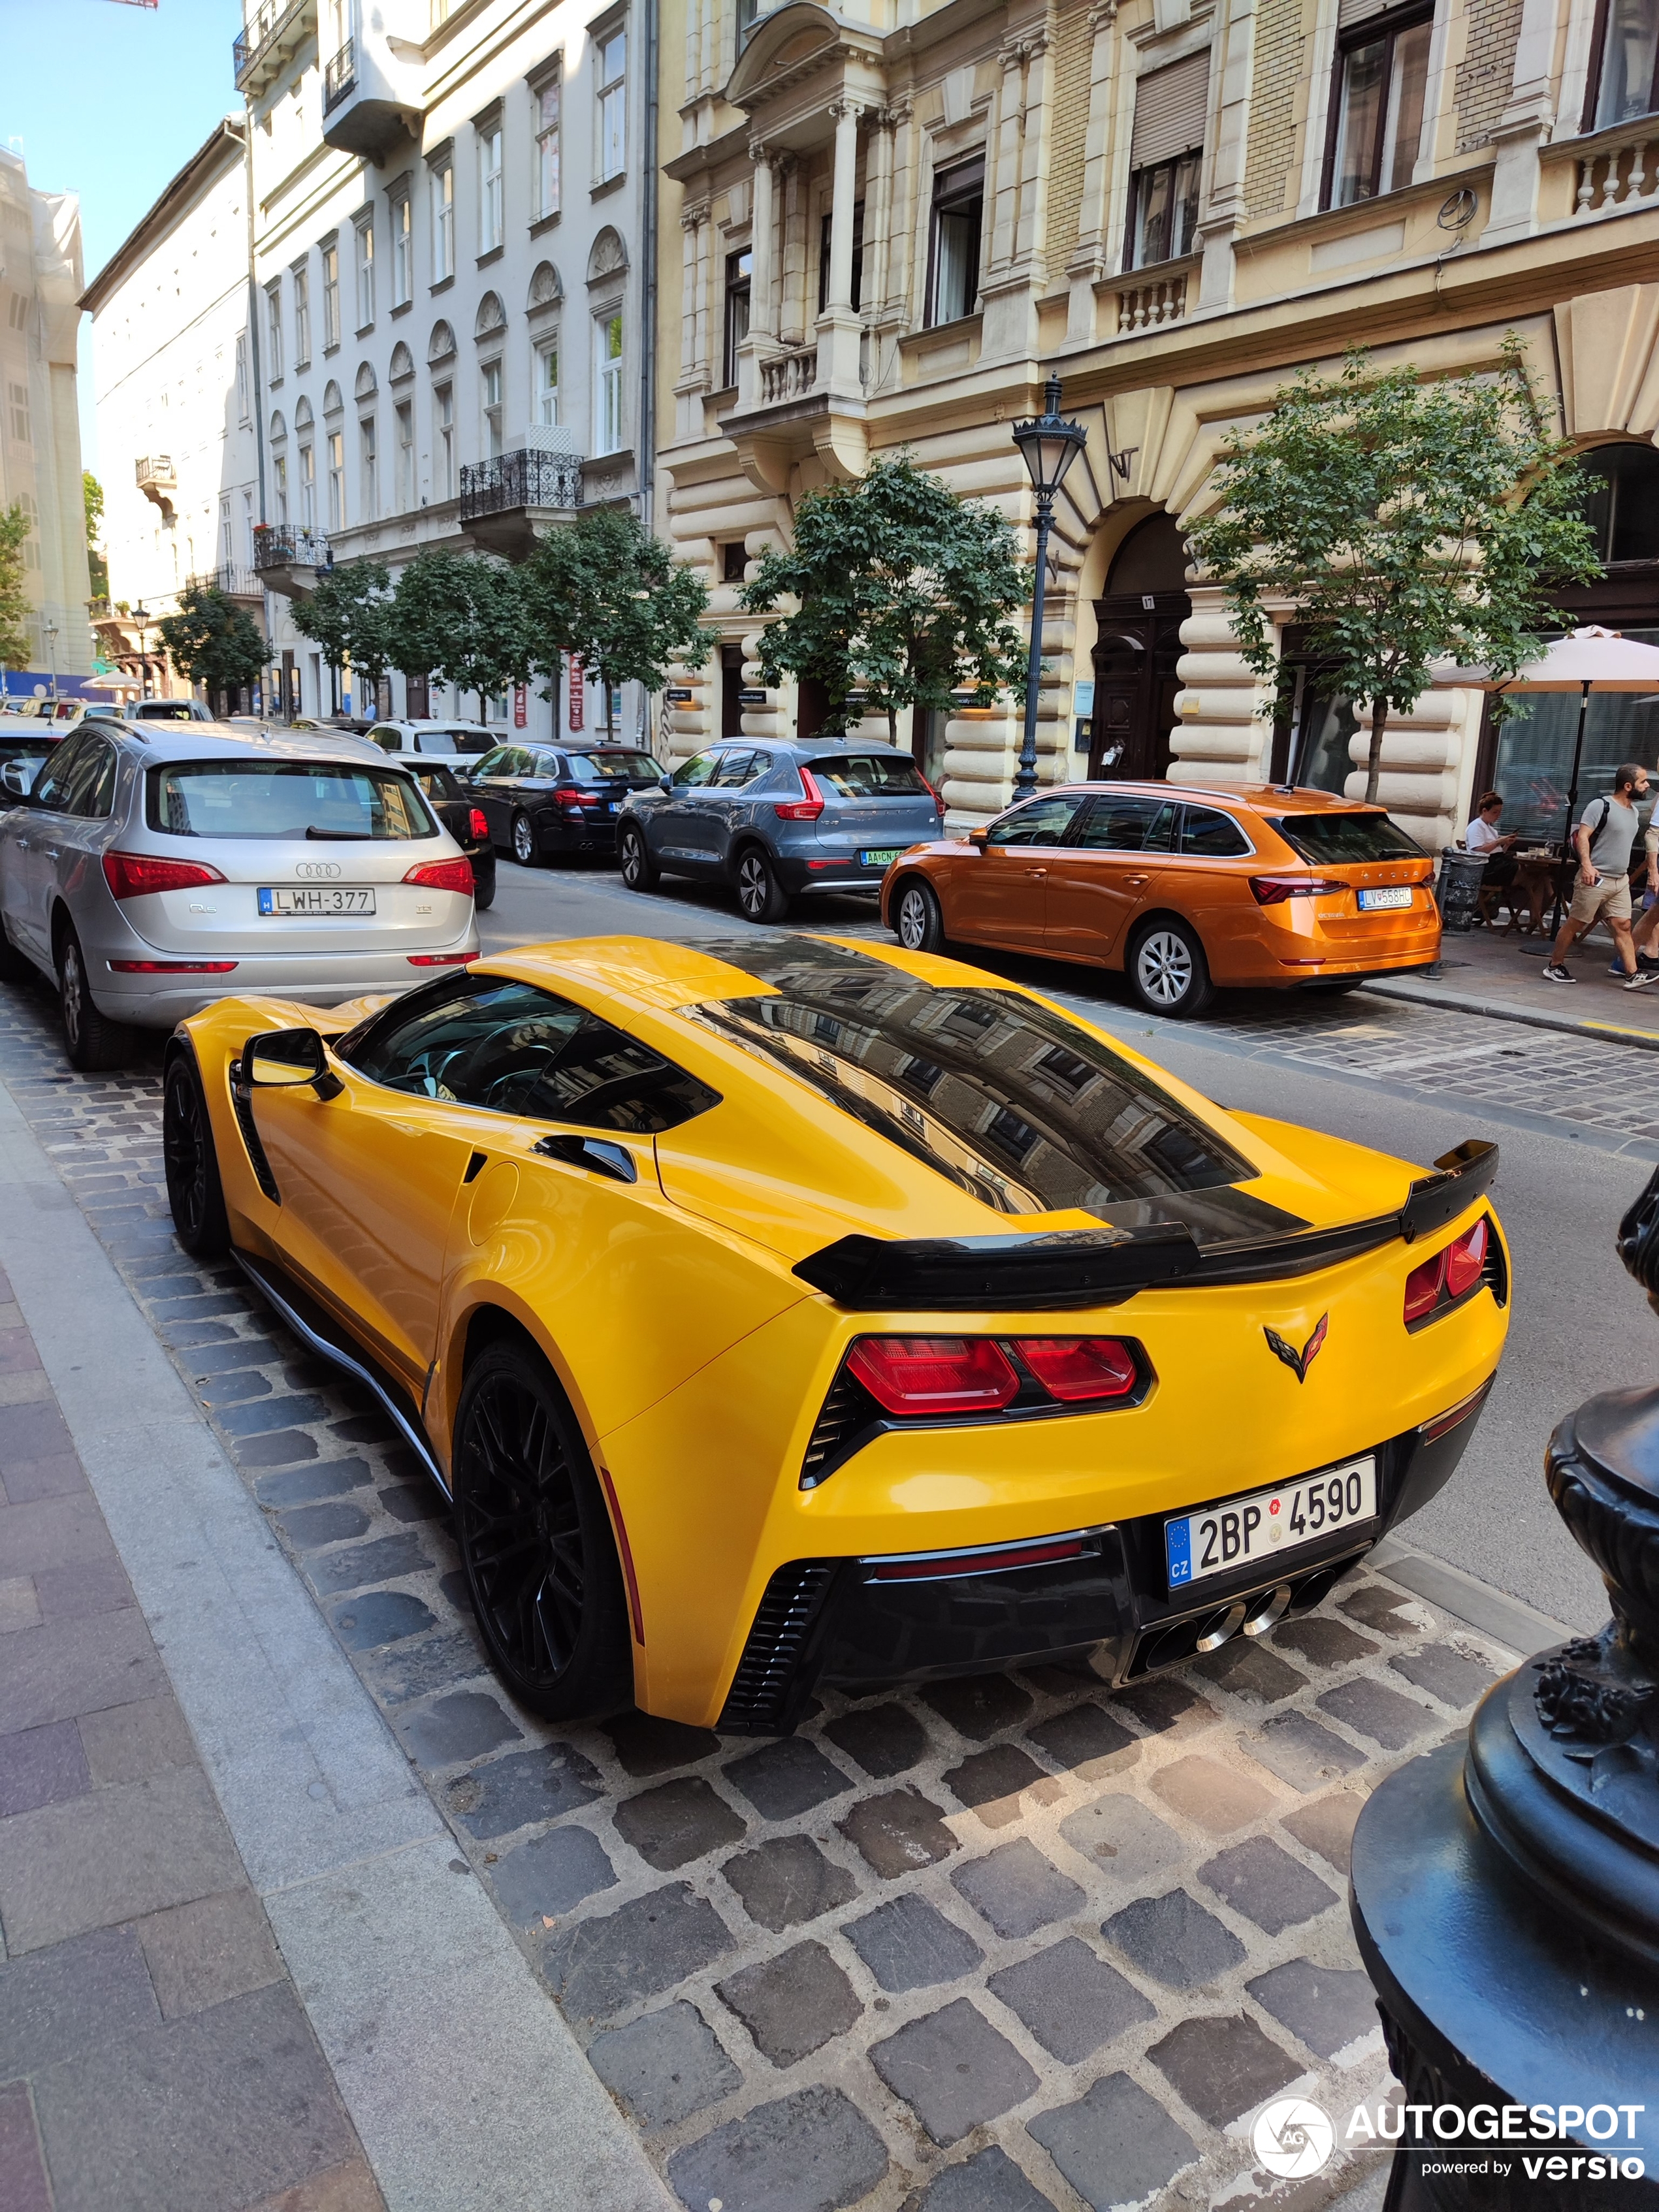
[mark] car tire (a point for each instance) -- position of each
(523, 837)
(761, 897)
(917, 922)
(191, 1160)
(91, 1040)
(1167, 971)
(639, 871)
(536, 1541)
(484, 888)
(15, 967)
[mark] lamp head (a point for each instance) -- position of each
(1048, 443)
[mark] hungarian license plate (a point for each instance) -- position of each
(882, 858)
(1265, 1528)
(317, 898)
(1385, 898)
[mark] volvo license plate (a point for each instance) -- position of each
(882, 858)
(316, 898)
(1269, 1525)
(1385, 898)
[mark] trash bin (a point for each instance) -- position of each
(1457, 888)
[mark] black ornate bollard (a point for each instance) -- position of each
(1505, 1892)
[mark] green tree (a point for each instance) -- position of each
(1406, 521)
(461, 619)
(92, 494)
(15, 609)
(609, 592)
(214, 642)
(350, 616)
(901, 592)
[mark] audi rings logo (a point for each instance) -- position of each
(312, 870)
(1293, 2137)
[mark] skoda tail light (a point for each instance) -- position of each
(1273, 891)
(1075, 1368)
(806, 809)
(443, 876)
(916, 1376)
(135, 875)
(1450, 1276)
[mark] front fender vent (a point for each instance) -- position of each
(758, 1700)
(242, 1105)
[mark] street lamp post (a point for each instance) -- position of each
(49, 631)
(141, 621)
(1049, 446)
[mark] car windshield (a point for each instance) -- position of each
(870, 775)
(638, 770)
(1327, 838)
(1008, 1099)
(470, 742)
(317, 799)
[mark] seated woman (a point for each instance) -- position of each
(1483, 835)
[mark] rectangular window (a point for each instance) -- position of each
(403, 252)
(545, 194)
(368, 455)
(953, 251)
(307, 489)
(279, 480)
(443, 222)
(1165, 159)
(301, 316)
(1628, 80)
(1163, 211)
(241, 376)
(739, 278)
(491, 376)
(858, 257)
(608, 383)
(365, 274)
(18, 395)
(613, 104)
(336, 480)
(443, 415)
(405, 416)
(1377, 108)
(274, 328)
(547, 382)
(227, 542)
(489, 187)
(330, 297)
(247, 528)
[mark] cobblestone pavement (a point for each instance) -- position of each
(998, 1945)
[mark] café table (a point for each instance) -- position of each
(1535, 872)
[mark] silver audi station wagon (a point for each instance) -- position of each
(154, 867)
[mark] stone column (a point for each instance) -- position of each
(1003, 182)
(838, 326)
(1522, 127)
(761, 341)
(1233, 57)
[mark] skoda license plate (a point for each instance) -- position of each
(1261, 1530)
(1385, 900)
(317, 898)
(882, 858)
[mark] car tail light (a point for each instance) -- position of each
(135, 875)
(801, 810)
(171, 967)
(568, 795)
(1073, 1368)
(442, 959)
(443, 876)
(1450, 1275)
(1273, 891)
(922, 1375)
(476, 825)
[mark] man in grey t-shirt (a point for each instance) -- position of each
(1606, 832)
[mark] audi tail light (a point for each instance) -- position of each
(1273, 891)
(135, 875)
(171, 967)
(1448, 1279)
(805, 809)
(1076, 1368)
(477, 827)
(443, 876)
(918, 1376)
(440, 959)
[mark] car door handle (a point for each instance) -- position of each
(605, 1159)
(20, 844)
(1136, 882)
(1037, 874)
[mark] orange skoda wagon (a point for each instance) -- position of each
(1183, 889)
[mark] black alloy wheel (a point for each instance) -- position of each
(1167, 971)
(535, 1542)
(638, 870)
(917, 922)
(524, 840)
(191, 1162)
(90, 1039)
(760, 895)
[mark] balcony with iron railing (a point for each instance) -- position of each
(272, 31)
(232, 578)
(372, 90)
(508, 501)
(340, 77)
(286, 558)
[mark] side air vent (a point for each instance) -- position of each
(848, 1408)
(243, 1106)
(1495, 1274)
(759, 1695)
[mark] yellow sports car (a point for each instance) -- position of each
(795, 1312)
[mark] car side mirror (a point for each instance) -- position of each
(665, 783)
(284, 1060)
(980, 834)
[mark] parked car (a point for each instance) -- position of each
(432, 740)
(23, 749)
(458, 811)
(1181, 890)
(166, 710)
(779, 820)
(546, 801)
(154, 868)
(877, 1420)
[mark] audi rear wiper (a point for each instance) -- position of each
(339, 837)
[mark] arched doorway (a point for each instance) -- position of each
(1136, 648)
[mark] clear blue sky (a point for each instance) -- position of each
(111, 102)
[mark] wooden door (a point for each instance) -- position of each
(1136, 653)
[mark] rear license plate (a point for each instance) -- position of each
(1265, 1528)
(316, 898)
(1382, 901)
(882, 858)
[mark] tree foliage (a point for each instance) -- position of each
(460, 618)
(902, 590)
(212, 640)
(1408, 522)
(92, 497)
(609, 592)
(15, 609)
(349, 614)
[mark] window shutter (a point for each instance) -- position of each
(1350, 12)
(1169, 106)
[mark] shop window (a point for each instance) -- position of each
(740, 271)
(953, 249)
(1627, 79)
(1377, 106)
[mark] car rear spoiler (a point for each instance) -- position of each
(1104, 1266)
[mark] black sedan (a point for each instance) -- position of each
(464, 819)
(545, 800)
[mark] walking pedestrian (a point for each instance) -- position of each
(1602, 838)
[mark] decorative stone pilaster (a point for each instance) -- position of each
(1223, 727)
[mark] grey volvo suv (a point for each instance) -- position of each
(779, 819)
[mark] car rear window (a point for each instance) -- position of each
(1206, 834)
(639, 771)
(436, 783)
(284, 798)
(470, 741)
(1327, 838)
(870, 775)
